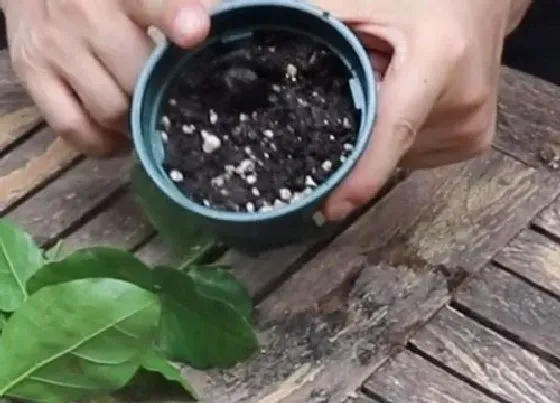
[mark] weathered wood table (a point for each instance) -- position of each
(446, 290)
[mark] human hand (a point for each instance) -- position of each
(439, 61)
(79, 59)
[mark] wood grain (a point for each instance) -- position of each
(515, 307)
(57, 207)
(529, 119)
(535, 257)
(157, 252)
(408, 378)
(18, 115)
(457, 216)
(31, 165)
(549, 219)
(354, 331)
(122, 225)
(498, 365)
(260, 273)
(430, 230)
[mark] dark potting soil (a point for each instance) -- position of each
(258, 123)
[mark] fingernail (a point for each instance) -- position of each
(191, 23)
(340, 210)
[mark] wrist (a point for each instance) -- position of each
(518, 9)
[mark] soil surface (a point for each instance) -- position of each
(259, 122)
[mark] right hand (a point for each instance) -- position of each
(80, 59)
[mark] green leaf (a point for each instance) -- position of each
(170, 220)
(156, 363)
(157, 380)
(197, 329)
(198, 326)
(218, 283)
(54, 253)
(77, 339)
(97, 262)
(20, 257)
(2, 321)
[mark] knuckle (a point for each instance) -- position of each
(68, 124)
(73, 10)
(27, 51)
(76, 15)
(453, 41)
(477, 97)
(113, 112)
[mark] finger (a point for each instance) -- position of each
(65, 116)
(125, 54)
(411, 87)
(98, 92)
(438, 146)
(369, 41)
(380, 63)
(185, 22)
(442, 156)
(360, 11)
(380, 51)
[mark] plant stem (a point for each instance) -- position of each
(197, 256)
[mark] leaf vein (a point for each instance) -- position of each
(122, 331)
(61, 384)
(47, 361)
(93, 360)
(10, 265)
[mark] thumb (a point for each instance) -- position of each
(185, 22)
(411, 86)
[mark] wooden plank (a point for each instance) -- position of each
(17, 112)
(122, 225)
(535, 257)
(458, 216)
(515, 308)
(157, 252)
(529, 119)
(494, 363)
(297, 349)
(56, 208)
(427, 228)
(31, 165)
(260, 273)
(410, 379)
(549, 219)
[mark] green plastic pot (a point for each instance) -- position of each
(294, 222)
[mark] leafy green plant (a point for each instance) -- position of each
(99, 320)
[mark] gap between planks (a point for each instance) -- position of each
(487, 360)
(428, 213)
(18, 115)
(548, 221)
(411, 378)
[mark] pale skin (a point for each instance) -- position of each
(439, 61)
